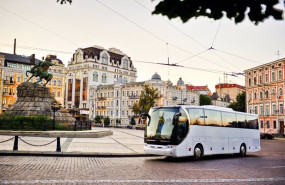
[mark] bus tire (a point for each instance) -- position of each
(242, 151)
(198, 152)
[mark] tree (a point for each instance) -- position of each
(239, 105)
(205, 100)
(132, 122)
(97, 119)
(257, 10)
(146, 100)
(107, 121)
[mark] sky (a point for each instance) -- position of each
(44, 27)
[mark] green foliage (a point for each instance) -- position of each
(146, 100)
(205, 100)
(97, 119)
(256, 10)
(107, 121)
(239, 105)
(132, 122)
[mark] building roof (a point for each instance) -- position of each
(263, 65)
(180, 82)
(20, 58)
(53, 57)
(156, 77)
(197, 88)
(229, 86)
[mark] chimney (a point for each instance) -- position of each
(32, 59)
(14, 46)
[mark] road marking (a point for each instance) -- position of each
(275, 167)
(142, 181)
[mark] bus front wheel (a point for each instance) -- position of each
(242, 150)
(198, 152)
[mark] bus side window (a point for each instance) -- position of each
(228, 119)
(241, 119)
(213, 118)
(252, 122)
(196, 116)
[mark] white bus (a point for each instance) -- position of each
(185, 130)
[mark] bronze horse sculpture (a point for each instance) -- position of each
(41, 70)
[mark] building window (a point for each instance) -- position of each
(95, 76)
(261, 124)
(266, 94)
(249, 96)
(261, 110)
(260, 79)
(18, 78)
(273, 76)
(54, 70)
(59, 70)
(267, 110)
(105, 58)
(268, 124)
(274, 124)
(117, 103)
(254, 80)
(104, 78)
(260, 95)
(53, 92)
(280, 75)
(273, 92)
(280, 91)
(54, 82)
(59, 82)
(273, 109)
(255, 109)
(122, 113)
(255, 96)
(249, 82)
(58, 93)
(125, 63)
(281, 109)
(266, 78)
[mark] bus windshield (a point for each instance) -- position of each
(163, 127)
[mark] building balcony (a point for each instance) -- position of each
(134, 96)
(8, 94)
(101, 98)
(9, 82)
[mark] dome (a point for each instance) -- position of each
(180, 82)
(156, 77)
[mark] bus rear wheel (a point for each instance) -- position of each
(198, 152)
(242, 151)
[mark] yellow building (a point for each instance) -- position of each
(13, 71)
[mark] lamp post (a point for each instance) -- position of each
(54, 109)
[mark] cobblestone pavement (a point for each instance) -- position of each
(123, 141)
(265, 167)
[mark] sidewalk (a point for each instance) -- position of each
(123, 142)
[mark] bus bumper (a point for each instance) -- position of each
(159, 150)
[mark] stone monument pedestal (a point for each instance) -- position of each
(35, 100)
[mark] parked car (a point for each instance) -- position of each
(266, 136)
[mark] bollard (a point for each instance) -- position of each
(16, 143)
(58, 148)
(75, 125)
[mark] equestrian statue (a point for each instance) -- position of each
(41, 70)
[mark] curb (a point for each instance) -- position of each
(70, 154)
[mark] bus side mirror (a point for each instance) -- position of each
(142, 115)
(175, 117)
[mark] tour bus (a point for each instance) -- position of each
(185, 130)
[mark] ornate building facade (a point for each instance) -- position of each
(13, 71)
(265, 95)
(91, 67)
(116, 100)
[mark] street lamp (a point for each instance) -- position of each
(54, 109)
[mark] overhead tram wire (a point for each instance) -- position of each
(187, 67)
(193, 40)
(38, 49)
(199, 43)
(43, 28)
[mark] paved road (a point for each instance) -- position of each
(265, 167)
